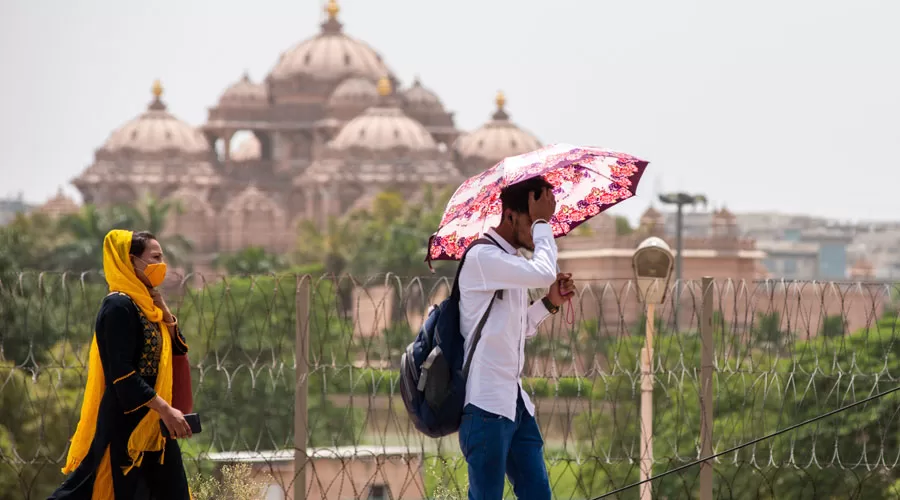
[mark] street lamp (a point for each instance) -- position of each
(652, 265)
(680, 200)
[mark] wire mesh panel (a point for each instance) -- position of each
(783, 352)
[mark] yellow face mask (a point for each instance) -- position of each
(155, 273)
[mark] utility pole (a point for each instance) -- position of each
(680, 200)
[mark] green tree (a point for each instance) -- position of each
(753, 398)
(394, 234)
(251, 260)
(335, 246)
(82, 249)
(768, 332)
(623, 227)
(38, 413)
(242, 332)
(833, 326)
(27, 242)
(38, 310)
(393, 239)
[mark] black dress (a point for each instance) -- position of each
(130, 348)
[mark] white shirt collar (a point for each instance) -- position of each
(503, 243)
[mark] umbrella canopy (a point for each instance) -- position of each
(586, 181)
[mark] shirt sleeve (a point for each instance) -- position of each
(497, 270)
(119, 336)
(537, 313)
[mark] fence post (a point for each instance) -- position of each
(301, 387)
(647, 405)
(706, 388)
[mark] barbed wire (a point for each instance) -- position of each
(783, 352)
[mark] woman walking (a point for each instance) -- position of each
(118, 451)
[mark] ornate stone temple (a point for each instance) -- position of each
(326, 130)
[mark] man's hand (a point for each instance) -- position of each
(561, 289)
(542, 208)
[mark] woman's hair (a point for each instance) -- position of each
(139, 242)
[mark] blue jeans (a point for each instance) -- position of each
(488, 441)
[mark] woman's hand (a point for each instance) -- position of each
(160, 302)
(172, 418)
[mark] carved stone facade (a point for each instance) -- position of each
(327, 129)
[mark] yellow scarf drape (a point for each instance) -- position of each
(120, 277)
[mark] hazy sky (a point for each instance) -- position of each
(784, 105)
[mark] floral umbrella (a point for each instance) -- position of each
(586, 181)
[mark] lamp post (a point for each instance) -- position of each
(680, 200)
(652, 265)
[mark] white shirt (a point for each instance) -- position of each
(494, 381)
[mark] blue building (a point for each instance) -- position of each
(832, 243)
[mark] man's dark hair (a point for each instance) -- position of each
(515, 197)
(139, 241)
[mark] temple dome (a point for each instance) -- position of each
(244, 93)
(418, 97)
(497, 139)
(354, 91)
(157, 130)
(384, 127)
(330, 55)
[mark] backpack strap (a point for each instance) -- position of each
(487, 240)
(478, 329)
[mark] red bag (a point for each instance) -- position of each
(182, 392)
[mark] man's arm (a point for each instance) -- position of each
(495, 269)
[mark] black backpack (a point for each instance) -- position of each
(432, 373)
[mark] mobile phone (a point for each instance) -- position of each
(193, 421)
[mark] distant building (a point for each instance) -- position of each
(720, 251)
(329, 127)
(880, 246)
(862, 270)
(832, 243)
(790, 260)
(797, 247)
(59, 205)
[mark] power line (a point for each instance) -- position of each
(748, 443)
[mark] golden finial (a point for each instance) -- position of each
(157, 89)
(384, 87)
(332, 9)
(501, 99)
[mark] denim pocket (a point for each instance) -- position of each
(471, 434)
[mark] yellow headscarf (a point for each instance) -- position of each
(120, 277)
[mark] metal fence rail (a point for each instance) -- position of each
(264, 347)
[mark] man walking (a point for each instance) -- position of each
(499, 435)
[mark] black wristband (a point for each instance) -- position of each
(549, 305)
